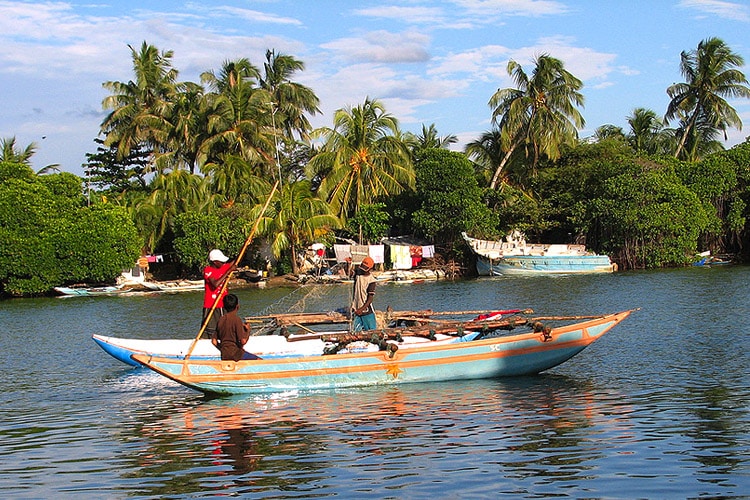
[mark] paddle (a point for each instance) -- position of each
(225, 283)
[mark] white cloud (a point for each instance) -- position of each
(382, 46)
(726, 10)
(483, 63)
(247, 14)
(409, 15)
(513, 7)
(488, 63)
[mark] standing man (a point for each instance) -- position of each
(364, 291)
(214, 275)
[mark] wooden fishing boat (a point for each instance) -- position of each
(477, 350)
(516, 257)
(275, 335)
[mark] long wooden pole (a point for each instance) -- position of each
(225, 283)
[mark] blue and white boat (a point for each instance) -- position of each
(476, 351)
(516, 257)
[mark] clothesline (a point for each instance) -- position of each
(401, 256)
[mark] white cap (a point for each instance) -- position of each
(217, 255)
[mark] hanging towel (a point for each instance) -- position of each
(359, 252)
(342, 252)
(377, 252)
(400, 257)
(428, 251)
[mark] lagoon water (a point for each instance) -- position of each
(658, 408)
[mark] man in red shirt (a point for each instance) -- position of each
(214, 275)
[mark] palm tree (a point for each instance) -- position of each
(711, 75)
(10, 153)
(291, 100)
(237, 117)
(429, 138)
(289, 103)
(487, 154)
(187, 131)
(172, 193)
(234, 180)
(648, 133)
(140, 107)
(609, 131)
(703, 141)
(540, 113)
(362, 159)
(294, 219)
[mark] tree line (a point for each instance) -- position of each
(182, 167)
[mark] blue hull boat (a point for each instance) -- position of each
(470, 356)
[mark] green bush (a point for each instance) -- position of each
(51, 238)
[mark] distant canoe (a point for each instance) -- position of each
(176, 286)
(471, 355)
(131, 288)
(99, 290)
(498, 258)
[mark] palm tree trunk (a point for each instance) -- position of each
(502, 164)
(688, 128)
(295, 267)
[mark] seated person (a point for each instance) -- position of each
(231, 332)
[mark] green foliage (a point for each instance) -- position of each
(723, 180)
(97, 244)
(515, 210)
(10, 170)
(110, 174)
(648, 218)
(64, 185)
(197, 233)
(450, 201)
(643, 211)
(372, 222)
(50, 238)
(567, 187)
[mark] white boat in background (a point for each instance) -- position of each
(130, 288)
(515, 256)
(176, 286)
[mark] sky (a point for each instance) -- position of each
(429, 62)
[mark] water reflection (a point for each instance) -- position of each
(379, 438)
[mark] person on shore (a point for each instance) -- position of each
(214, 274)
(231, 332)
(363, 312)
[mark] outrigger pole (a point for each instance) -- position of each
(225, 283)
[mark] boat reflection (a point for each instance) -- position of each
(263, 443)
